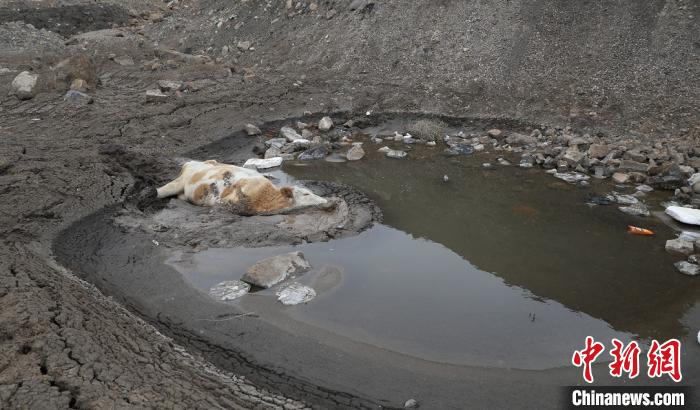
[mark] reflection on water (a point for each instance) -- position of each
(497, 268)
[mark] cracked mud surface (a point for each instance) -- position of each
(64, 344)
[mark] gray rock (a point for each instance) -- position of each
(77, 98)
(289, 134)
(257, 163)
(687, 268)
(244, 45)
(169, 85)
(599, 150)
(459, 149)
(313, 154)
(521, 140)
(124, 60)
(273, 152)
(695, 259)
(680, 245)
(24, 85)
(276, 142)
(633, 166)
(271, 271)
(494, 133)
(644, 188)
(79, 84)
(295, 293)
(394, 153)
(229, 290)
(571, 177)
(355, 153)
(620, 178)
(301, 144)
(325, 124)
(638, 209)
(622, 199)
(573, 157)
(155, 96)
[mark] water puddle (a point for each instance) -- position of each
(503, 268)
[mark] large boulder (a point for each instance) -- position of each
(271, 271)
(24, 85)
(686, 215)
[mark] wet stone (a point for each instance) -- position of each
(314, 154)
(687, 268)
(393, 153)
(271, 271)
(680, 245)
(229, 290)
(638, 209)
(295, 293)
(355, 153)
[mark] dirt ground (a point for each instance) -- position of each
(618, 69)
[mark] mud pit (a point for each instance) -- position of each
(478, 276)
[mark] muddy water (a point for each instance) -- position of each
(504, 268)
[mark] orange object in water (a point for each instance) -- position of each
(639, 231)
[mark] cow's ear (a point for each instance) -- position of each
(288, 192)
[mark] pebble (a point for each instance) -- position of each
(325, 124)
(24, 85)
(252, 130)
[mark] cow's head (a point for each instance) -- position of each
(303, 196)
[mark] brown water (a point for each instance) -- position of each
(504, 268)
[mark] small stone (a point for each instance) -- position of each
(24, 85)
(573, 157)
(431, 143)
(599, 150)
(325, 124)
(295, 293)
(302, 125)
(349, 124)
(384, 149)
(394, 153)
(77, 98)
(355, 153)
(124, 60)
(516, 139)
(271, 271)
(633, 166)
(244, 45)
(313, 154)
(79, 84)
(687, 268)
(169, 85)
(680, 245)
(252, 130)
(155, 96)
(644, 188)
(289, 133)
(229, 290)
(620, 178)
(694, 258)
(503, 162)
(257, 163)
(494, 133)
(276, 142)
(411, 404)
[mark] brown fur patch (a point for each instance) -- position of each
(196, 177)
(268, 198)
(200, 193)
(287, 191)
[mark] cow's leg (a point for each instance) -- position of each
(172, 188)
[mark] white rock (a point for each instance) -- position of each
(257, 163)
(229, 290)
(325, 124)
(271, 271)
(384, 149)
(289, 134)
(431, 143)
(24, 85)
(686, 215)
(155, 96)
(295, 293)
(694, 179)
(680, 245)
(687, 268)
(395, 153)
(355, 153)
(252, 130)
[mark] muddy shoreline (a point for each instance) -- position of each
(63, 344)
